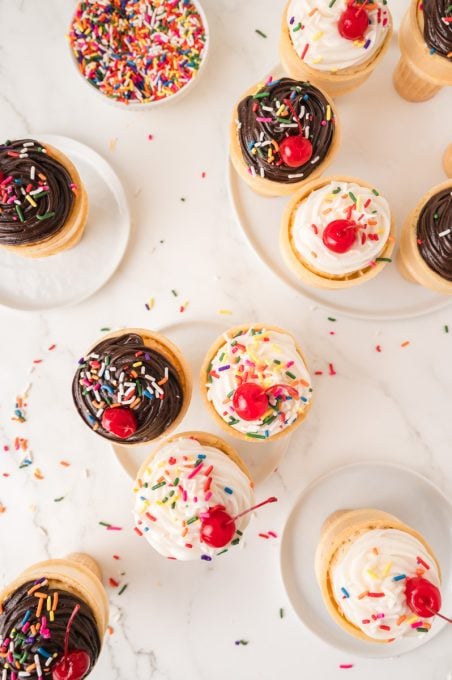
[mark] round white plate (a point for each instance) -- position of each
(380, 146)
(73, 275)
(402, 492)
(194, 339)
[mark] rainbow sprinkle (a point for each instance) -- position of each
(138, 50)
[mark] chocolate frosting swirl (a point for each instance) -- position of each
(438, 26)
(36, 195)
(123, 370)
(261, 123)
(20, 609)
(434, 233)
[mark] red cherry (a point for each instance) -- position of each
(422, 597)
(295, 151)
(340, 235)
(353, 23)
(217, 528)
(73, 666)
(250, 401)
(120, 422)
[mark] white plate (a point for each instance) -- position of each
(194, 339)
(402, 492)
(73, 275)
(379, 145)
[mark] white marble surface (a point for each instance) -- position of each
(181, 620)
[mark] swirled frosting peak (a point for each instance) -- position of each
(369, 580)
(36, 193)
(438, 26)
(129, 372)
(434, 233)
(277, 110)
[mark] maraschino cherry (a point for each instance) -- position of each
(340, 235)
(423, 597)
(72, 665)
(119, 421)
(250, 401)
(353, 22)
(295, 150)
(218, 527)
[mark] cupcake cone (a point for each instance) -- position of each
(338, 532)
(262, 185)
(304, 270)
(447, 161)
(419, 75)
(204, 384)
(171, 353)
(204, 438)
(72, 230)
(334, 83)
(410, 263)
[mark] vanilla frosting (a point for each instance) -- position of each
(369, 579)
(339, 201)
(314, 23)
(269, 358)
(183, 480)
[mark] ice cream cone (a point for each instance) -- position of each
(447, 161)
(410, 263)
(335, 83)
(78, 574)
(419, 74)
(205, 368)
(163, 346)
(72, 230)
(339, 531)
(262, 185)
(301, 268)
(204, 438)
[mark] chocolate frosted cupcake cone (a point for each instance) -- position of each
(283, 133)
(425, 254)
(425, 40)
(43, 203)
(132, 387)
(47, 602)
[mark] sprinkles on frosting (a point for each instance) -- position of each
(138, 50)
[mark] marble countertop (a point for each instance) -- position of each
(181, 620)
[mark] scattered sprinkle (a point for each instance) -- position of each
(281, 613)
(57, 500)
(242, 642)
(261, 33)
(121, 590)
(405, 344)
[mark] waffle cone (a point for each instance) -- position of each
(204, 438)
(77, 574)
(262, 185)
(302, 269)
(219, 342)
(72, 231)
(339, 530)
(410, 263)
(337, 83)
(172, 353)
(419, 75)
(447, 161)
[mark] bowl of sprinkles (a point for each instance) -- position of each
(139, 52)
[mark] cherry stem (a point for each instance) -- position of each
(290, 105)
(68, 630)
(361, 7)
(441, 616)
(272, 499)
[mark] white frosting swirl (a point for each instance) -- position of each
(370, 565)
(335, 201)
(268, 358)
(163, 510)
(315, 23)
